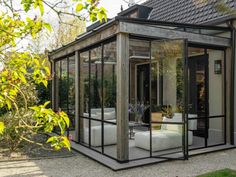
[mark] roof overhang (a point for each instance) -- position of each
(145, 28)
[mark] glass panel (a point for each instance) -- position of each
(110, 139)
(216, 131)
(167, 99)
(206, 103)
(96, 97)
(71, 95)
(197, 104)
(216, 80)
(84, 84)
(63, 86)
(96, 135)
(109, 98)
(139, 49)
(85, 132)
(216, 97)
(57, 75)
(96, 83)
(168, 141)
(139, 95)
(84, 97)
(167, 79)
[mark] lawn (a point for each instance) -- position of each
(220, 173)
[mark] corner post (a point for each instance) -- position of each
(122, 97)
(77, 96)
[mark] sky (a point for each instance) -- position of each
(114, 6)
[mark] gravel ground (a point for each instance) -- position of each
(81, 166)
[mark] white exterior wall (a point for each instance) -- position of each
(216, 97)
(234, 23)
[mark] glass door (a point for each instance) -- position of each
(168, 122)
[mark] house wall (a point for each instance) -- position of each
(234, 24)
(216, 98)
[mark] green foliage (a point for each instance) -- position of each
(221, 173)
(95, 13)
(20, 72)
(2, 127)
(43, 93)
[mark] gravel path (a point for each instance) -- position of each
(81, 166)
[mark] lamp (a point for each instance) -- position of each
(218, 67)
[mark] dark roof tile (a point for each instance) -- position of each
(186, 11)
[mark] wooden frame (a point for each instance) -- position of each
(122, 30)
(122, 97)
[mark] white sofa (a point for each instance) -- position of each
(96, 135)
(169, 136)
(96, 127)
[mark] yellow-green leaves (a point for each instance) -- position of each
(27, 5)
(39, 3)
(47, 119)
(48, 27)
(2, 128)
(24, 70)
(21, 69)
(79, 7)
(95, 12)
(58, 142)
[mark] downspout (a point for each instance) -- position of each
(232, 86)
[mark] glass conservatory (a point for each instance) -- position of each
(140, 92)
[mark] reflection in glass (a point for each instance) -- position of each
(57, 80)
(84, 84)
(84, 98)
(96, 82)
(167, 98)
(63, 86)
(109, 98)
(167, 78)
(71, 91)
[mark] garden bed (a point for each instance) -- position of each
(29, 151)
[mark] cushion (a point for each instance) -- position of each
(96, 132)
(192, 124)
(172, 127)
(161, 140)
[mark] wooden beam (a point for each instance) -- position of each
(86, 40)
(153, 31)
(122, 97)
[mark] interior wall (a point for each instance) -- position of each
(216, 92)
(216, 97)
(228, 84)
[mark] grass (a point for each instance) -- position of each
(220, 173)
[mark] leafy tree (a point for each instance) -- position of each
(21, 70)
(67, 32)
